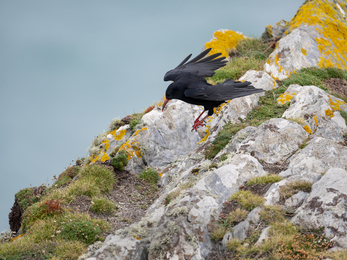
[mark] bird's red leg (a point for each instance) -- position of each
(198, 122)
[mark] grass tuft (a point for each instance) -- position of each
(291, 188)
(271, 178)
(247, 199)
(120, 161)
(149, 175)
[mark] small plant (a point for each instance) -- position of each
(120, 161)
(82, 230)
(233, 244)
(101, 176)
(218, 233)
(102, 205)
(291, 188)
(272, 214)
(271, 178)
(149, 109)
(115, 124)
(66, 176)
(247, 199)
(149, 175)
(237, 215)
(223, 157)
(304, 144)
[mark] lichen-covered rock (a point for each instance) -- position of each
(316, 37)
(313, 106)
(275, 31)
(316, 158)
(326, 206)
(274, 140)
(224, 41)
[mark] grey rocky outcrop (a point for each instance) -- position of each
(326, 206)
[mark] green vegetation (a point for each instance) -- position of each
(315, 76)
(102, 205)
(52, 230)
(25, 198)
(291, 188)
(237, 215)
(267, 109)
(149, 175)
(66, 176)
(135, 119)
(120, 161)
(250, 54)
(271, 178)
(247, 199)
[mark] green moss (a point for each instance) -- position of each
(149, 175)
(135, 120)
(344, 115)
(120, 161)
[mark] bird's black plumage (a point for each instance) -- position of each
(190, 86)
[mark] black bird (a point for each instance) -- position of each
(190, 86)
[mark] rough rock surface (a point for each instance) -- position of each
(315, 38)
(326, 206)
(274, 140)
(306, 144)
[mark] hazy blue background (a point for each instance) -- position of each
(67, 68)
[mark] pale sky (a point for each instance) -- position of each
(67, 68)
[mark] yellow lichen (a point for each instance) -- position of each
(224, 41)
(315, 120)
(304, 51)
(329, 113)
(284, 98)
(336, 104)
(308, 129)
(206, 135)
(132, 146)
(107, 144)
(104, 157)
(333, 31)
(119, 136)
(94, 158)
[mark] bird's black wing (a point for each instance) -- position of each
(199, 65)
(227, 90)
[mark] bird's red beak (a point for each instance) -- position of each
(165, 102)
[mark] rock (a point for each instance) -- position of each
(260, 79)
(274, 140)
(15, 217)
(275, 31)
(315, 38)
(240, 230)
(236, 140)
(254, 216)
(295, 51)
(325, 206)
(263, 236)
(227, 237)
(316, 158)
(296, 200)
(312, 101)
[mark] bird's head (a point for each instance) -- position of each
(172, 92)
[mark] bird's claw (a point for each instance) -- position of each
(196, 125)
